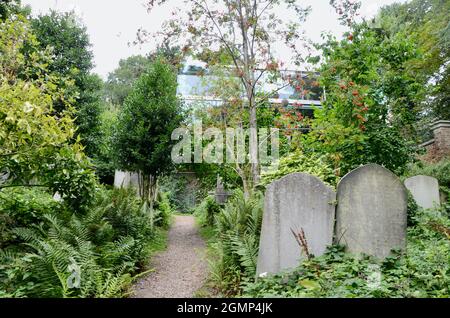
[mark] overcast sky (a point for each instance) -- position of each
(112, 24)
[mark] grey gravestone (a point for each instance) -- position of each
(125, 179)
(220, 195)
(121, 179)
(296, 201)
(425, 191)
(371, 211)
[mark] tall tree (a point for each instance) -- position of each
(142, 139)
(37, 147)
(69, 41)
(120, 81)
(426, 22)
(373, 100)
(248, 31)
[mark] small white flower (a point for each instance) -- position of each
(262, 275)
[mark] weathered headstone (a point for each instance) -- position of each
(425, 191)
(295, 202)
(220, 194)
(125, 179)
(371, 211)
(121, 179)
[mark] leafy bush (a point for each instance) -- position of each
(27, 206)
(163, 210)
(297, 161)
(412, 209)
(207, 210)
(107, 244)
(423, 271)
(21, 207)
(238, 227)
(373, 101)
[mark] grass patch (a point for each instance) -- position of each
(207, 233)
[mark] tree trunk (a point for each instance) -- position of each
(254, 155)
(148, 190)
(249, 84)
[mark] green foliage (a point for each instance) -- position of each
(236, 249)
(68, 40)
(120, 82)
(142, 140)
(412, 209)
(9, 8)
(180, 191)
(89, 107)
(150, 114)
(105, 235)
(26, 206)
(104, 159)
(108, 244)
(373, 99)
(426, 22)
(297, 161)
(36, 145)
(206, 211)
(422, 272)
(164, 210)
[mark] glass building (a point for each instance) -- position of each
(195, 89)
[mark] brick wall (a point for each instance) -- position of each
(439, 147)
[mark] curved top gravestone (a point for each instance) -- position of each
(371, 211)
(295, 202)
(425, 191)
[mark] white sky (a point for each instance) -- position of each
(112, 24)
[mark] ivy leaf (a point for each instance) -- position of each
(309, 284)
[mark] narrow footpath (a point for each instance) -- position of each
(180, 270)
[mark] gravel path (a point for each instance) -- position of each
(180, 270)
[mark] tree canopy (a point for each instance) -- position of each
(68, 40)
(151, 112)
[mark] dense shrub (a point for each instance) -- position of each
(107, 244)
(316, 165)
(206, 211)
(238, 227)
(27, 206)
(163, 210)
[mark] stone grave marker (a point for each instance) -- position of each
(425, 191)
(295, 202)
(371, 211)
